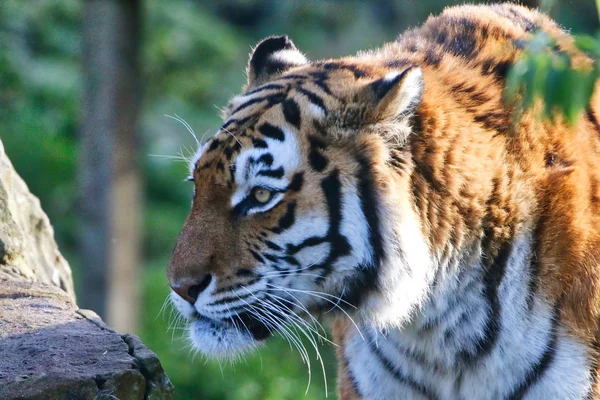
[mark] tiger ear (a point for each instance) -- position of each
(271, 57)
(394, 96)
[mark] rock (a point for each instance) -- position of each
(27, 247)
(49, 349)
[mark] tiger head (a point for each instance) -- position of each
(300, 202)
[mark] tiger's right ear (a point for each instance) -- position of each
(271, 57)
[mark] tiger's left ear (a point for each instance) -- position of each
(271, 57)
(394, 96)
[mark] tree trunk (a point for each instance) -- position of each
(109, 174)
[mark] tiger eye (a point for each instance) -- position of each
(262, 195)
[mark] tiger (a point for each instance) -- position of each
(449, 237)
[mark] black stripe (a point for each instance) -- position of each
(426, 171)
(250, 102)
(291, 112)
(246, 273)
(397, 63)
(459, 37)
(272, 245)
(595, 354)
(316, 142)
(232, 169)
(452, 305)
(319, 80)
(293, 76)
(231, 299)
(356, 71)
(433, 57)
(271, 257)
(291, 260)
(228, 123)
(533, 278)
(271, 173)
(271, 100)
(398, 375)
(266, 159)
(272, 132)
(537, 370)
(270, 86)
(499, 69)
(367, 192)
(297, 182)
(491, 281)
(592, 118)
(256, 256)
(287, 220)
(317, 161)
(419, 358)
(239, 122)
(319, 128)
(366, 276)
(237, 286)
(313, 98)
(332, 190)
(353, 381)
(309, 242)
(259, 143)
(213, 145)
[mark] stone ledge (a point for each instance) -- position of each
(49, 349)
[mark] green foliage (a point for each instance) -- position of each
(546, 73)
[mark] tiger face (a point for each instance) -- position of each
(289, 212)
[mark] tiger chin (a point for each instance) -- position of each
(454, 241)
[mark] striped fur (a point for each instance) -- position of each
(455, 243)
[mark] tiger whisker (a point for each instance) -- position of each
(314, 292)
(275, 325)
(167, 157)
(232, 135)
(312, 341)
(286, 274)
(298, 318)
(163, 307)
(312, 328)
(311, 293)
(298, 303)
(305, 357)
(272, 323)
(295, 271)
(185, 124)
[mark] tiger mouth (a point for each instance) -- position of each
(243, 322)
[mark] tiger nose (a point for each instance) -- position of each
(190, 290)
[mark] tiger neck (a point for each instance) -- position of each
(485, 331)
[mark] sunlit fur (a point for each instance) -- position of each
(454, 240)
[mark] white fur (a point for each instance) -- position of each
(194, 160)
(285, 154)
(219, 340)
(290, 57)
(406, 272)
(410, 92)
(315, 111)
(522, 340)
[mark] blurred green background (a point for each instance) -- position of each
(193, 55)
